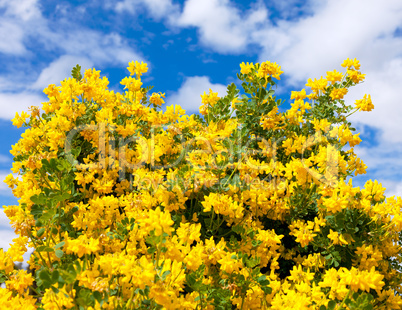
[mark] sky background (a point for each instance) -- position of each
(193, 45)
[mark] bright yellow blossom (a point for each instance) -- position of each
(364, 104)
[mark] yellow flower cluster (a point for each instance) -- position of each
(131, 207)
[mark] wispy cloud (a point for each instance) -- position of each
(59, 69)
(5, 159)
(308, 46)
(189, 94)
(10, 103)
(23, 9)
(24, 29)
(11, 38)
(16, 19)
(157, 8)
(222, 26)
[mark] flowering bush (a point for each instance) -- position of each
(248, 207)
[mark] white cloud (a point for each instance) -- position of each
(382, 158)
(22, 9)
(11, 36)
(6, 237)
(100, 48)
(292, 9)
(393, 188)
(60, 69)
(16, 18)
(18, 102)
(189, 94)
(75, 44)
(222, 26)
(157, 8)
(4, 159)
(308, 47)
(383, 85)
(88, 49)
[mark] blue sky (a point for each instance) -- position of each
(193, 45)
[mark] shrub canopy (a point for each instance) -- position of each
(248, 206)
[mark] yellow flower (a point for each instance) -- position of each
(82, 245)
(19, 281)
(298, 95)
(317, 85)
(137, 68)
(355, 75)
(156, 99)
(297, 275)
(246, 68)
(188, 232)
(369, 256)
(20, 120)
(362, 280)
(131, 84)
(53, 301)
(229, 263)
(192, 260)
(290, 300)
(6, 262)
(269, 68)
(334, 76)
(336, 237)
(338, 93)
(302, 231)
(10, 300)
(365, 104)
(348, 63)
(373, 190)
(209, 99)
(222, 204)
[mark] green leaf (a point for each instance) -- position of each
(38, 199)
(44, 275)
(261, 278)
(55, 276)
(59, 245)
(68, 276)
(76, 72)
(61, 197)
(331, 305)
(44, 248)
(165, 274)
(191, 280)
(36, 210)
(41, 232)
(98, 296)
(59, 253)
(267, 290)
(55, 289)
